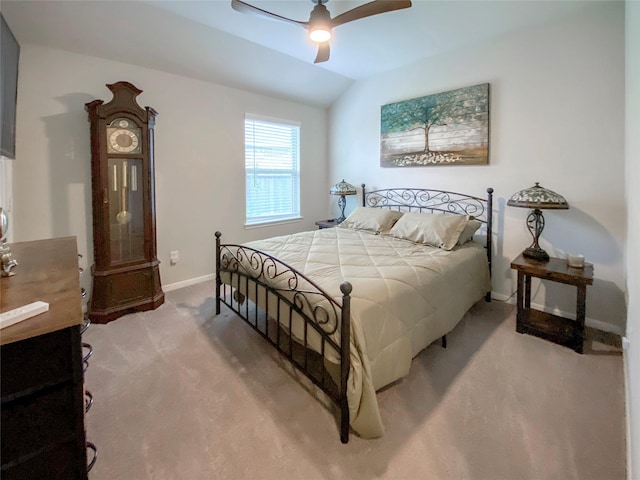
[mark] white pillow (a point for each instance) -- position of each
(470, 229)
(435, 229)
(371, 219)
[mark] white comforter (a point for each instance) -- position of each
(404, 297)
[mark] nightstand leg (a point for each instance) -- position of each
(520, 301)
(580, 318)
(527, 291)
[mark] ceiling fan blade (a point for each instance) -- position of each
(368, 9)
(323, 53)
(243, 7)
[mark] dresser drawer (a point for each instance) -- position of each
(40, 362)
(64, 463)
(38, 422)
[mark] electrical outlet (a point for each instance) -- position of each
(626, 343)
(175, 256)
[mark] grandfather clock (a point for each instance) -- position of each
(126, 274)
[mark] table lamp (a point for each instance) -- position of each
(342, 188)
(537, 198)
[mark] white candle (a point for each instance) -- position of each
(124, 174)
(134, 178)
(575, 260)
(115, 178)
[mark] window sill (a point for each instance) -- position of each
(249, 226)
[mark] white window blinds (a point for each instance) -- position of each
(272, 169)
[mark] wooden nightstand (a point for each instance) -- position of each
(561, 330)
(326, 223)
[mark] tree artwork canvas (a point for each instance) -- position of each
(448, 128)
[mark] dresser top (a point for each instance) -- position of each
(47, 271)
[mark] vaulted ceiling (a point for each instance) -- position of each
(210, 41)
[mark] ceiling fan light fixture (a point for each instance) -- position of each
(319, 33)
(320, 24)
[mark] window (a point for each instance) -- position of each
(272, 170)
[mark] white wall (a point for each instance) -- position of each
(632, 176)
(199, 156)
(557, 117)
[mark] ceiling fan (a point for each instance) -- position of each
(320, 22)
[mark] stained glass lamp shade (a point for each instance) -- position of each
(537, 198)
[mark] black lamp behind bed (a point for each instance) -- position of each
(342, 188)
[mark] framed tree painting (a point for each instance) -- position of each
(448, 128)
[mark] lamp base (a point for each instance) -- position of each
(536, 253)
(342, 202)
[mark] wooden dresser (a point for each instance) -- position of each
(42, 427)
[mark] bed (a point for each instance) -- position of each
(350, 306)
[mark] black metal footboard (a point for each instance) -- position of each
(303, 322)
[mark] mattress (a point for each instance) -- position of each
(405, 296)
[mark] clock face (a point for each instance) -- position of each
(123, 137)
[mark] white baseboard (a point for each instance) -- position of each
(604, 326)
(503, 298)
(590, 322)
(187, 283)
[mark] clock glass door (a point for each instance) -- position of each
(126, 220)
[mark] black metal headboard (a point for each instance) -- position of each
(441, 201)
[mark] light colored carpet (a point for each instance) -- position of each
(183, 394)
